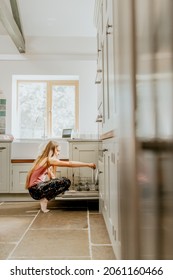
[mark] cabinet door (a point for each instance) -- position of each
(61, 172)
(101, 183)
(110, 194)
(84, 152)
(108, 71)
(4, 167)
(19, 173)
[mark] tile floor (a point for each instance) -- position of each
(73, 230)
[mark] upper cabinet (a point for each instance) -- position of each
(105, 76)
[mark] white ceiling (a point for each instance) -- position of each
(52, 28)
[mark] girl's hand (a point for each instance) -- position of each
(92, 165)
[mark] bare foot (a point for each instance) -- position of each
(43, 204)
(46, 211)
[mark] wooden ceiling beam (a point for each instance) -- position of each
(9, 23)
(16, 16)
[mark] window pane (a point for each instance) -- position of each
(63, 108)
(32, 109)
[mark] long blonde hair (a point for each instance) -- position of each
(48, 152)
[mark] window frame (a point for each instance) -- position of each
(50, 84)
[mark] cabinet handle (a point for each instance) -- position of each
(75, 148)
(99, 118)
(105, 150)
(108, 32)
(100, 172)
(2, 148)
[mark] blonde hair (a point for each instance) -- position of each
(48, 152)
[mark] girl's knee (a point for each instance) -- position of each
(66, 182)
(63, 182)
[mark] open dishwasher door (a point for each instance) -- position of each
(86, 188)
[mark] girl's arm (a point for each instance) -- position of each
(56, 162)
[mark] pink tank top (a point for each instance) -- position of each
(38, 175)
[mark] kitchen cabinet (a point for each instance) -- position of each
(108, 70)
(106, 33)
(107, 36)
(61, 172)
(109, 192)
(101, 177)
(19, 173)
(85, 151)
(5, 154)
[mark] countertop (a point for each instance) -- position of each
(6, 138)
(83, 140)
(55, 139)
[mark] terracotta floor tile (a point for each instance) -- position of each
(61, 234)
(19, 208)
(12, 228)
(53, 258)
(102, 253)
(62, 219)
(5, 250)
(50, 244)
(99, 234)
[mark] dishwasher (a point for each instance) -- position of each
(82, 188)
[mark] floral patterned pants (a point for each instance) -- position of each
(49, 189)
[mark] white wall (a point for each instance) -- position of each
(84, 69)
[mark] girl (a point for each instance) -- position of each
(44, 166)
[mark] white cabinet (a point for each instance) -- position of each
(5, 152)
(109, 93)
(107, 35)
(19, 173)
(61, 172)
(106, 28)
(109, 191)
(85, 151)
(101, 177)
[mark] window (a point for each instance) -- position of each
(45, 108)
